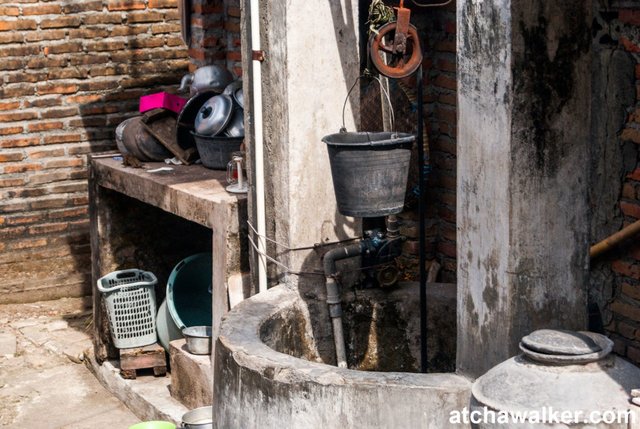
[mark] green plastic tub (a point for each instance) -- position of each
(189, 291)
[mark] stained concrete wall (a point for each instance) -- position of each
(283, 391)
(523, 145)
(311, 60)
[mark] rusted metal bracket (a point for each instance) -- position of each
(257, 56)
(403, 17)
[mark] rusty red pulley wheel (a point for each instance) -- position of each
(398, 64)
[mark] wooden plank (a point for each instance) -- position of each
(150, 356)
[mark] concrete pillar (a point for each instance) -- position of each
(523, 162)
(311, 61)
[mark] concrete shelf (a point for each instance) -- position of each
(152, 221)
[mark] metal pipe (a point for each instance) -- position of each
(256, 69)
(422, 228)
(333, 294)
(614, 239)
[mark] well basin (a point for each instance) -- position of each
(273, 362)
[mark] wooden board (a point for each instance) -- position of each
(147, 357)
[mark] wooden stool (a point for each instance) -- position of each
(151, 356)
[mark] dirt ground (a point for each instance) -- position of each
(43, 381)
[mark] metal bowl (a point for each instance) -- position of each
(199, 418)
(198, 339)
(236, 124)
(232, 87)
(187, 117)
(238, 96)
(214, 115)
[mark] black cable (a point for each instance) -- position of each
(422, 227)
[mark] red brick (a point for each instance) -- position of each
(21, 168)
(161, 4)
(11, 182)
(626, 269)
(165, 28)
(23, 142)
(631, 134)
(232, 27)
(11, 64)
(61, 22)
(630, 290)
(629, 16)
(103, 18)
(630, 209)
(10, 105)
(68, 213)
(626, 330)
(46, 153)
(11, 156)
(17, 116)
(83, 6)
(10, 130)
(446, 46)
(41, 9)
(146, 16)
(62, 138)
(629, 191)
(233, 11)
(35, 36)
(62, 48)
(53, 88)
(9, 11)
(47, 228)
(11, 38)
(20, 24)
(448, 249)
(45, 126)
(633, 354)
(629, 311)
(125, 5)
(64, 163)
(444, 81)
(28, 244)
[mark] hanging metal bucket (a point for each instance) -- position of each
(369, 171)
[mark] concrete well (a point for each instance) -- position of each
(269, 374)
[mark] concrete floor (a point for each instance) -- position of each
(43, 380)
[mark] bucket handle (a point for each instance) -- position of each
(384, 91)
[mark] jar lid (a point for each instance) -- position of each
(568, 347)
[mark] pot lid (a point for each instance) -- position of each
(560, 342)
(567, 347)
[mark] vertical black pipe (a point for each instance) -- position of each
(422, 226)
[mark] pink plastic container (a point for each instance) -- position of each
(162, 100)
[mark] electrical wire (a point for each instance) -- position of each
(293, 249)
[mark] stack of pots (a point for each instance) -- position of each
(218, 127)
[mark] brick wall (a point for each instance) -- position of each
(72, 71)
(438, 26)
(625, 262)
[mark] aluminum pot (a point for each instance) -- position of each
(199, 418)
(198, 339)
(214, 78)
(214, 115)
(236, 124)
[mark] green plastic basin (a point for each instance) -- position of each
(189, 291)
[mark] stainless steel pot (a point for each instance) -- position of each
(199, 418)
(198, 339)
